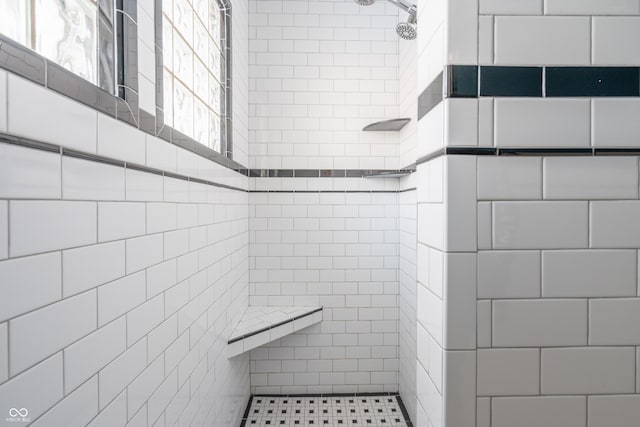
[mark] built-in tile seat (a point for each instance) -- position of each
(260, 325)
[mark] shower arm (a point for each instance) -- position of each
(409, 8)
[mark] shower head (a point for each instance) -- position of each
(408, 30)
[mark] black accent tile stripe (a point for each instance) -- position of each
(275, 325)
(511, 81)
(92, 157)
(592, 81)
(462, 81)
(281, 173)
(431, 96)
(545, 151)
(473, 151)
(306, 173)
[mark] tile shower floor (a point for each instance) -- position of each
(326, 410)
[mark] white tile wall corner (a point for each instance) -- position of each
(461, 26)
(461, 122)
(460, 301)
(52, 127)
(565, 411)
(528, 40)
(592, 273)
(4, 229)
(579, 370)
(4, 357)
(508, 372)
(460, 204)
(590, 178)
(3, 101)
(612, 124)
(523, 122)
(27, 173)
(540, 225)
(459, 384)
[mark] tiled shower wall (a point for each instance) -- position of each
(320, 72)
(119, 287)
(549, 244)
(338, 250)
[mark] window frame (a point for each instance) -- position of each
(226, 114)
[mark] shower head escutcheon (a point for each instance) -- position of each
(407, 30)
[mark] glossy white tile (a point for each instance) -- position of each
(87, 180)
(115, 377)
(540, 225)
(91, 266)
(613, 411)
(23, 112)
(590, 178)
(57, 325)
(539, 323)
(611, 321)
(120, 296)
(509, 178)
(612, 225)
(590, 273)
(580, 370)
(119, 140)
(4, 356)
(40, 387)
(508, 372)
(29, 283)
(76, 409)
(522, 122)
(509, 274)
(42, 226)
(526, 40)
(565, 411)
(4, 229)
(612, 119)
(28, 174)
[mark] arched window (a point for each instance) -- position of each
(196, 71)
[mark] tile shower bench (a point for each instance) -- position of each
(260, 325)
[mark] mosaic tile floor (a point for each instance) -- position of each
(328, 410)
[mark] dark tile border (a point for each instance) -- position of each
(472, 81)
(539, 152)
(403, 409)
(275, 325)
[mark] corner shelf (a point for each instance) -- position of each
(260, 325)
(391, 125)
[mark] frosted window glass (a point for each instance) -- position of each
(65, 32)
(14, 20)
(194, 93)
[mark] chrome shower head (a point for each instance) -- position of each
(408, 30)
(365, 2)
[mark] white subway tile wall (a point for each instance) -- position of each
(119, 287)
(339, 251)
(319, 73)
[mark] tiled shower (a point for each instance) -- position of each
(195, 229)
